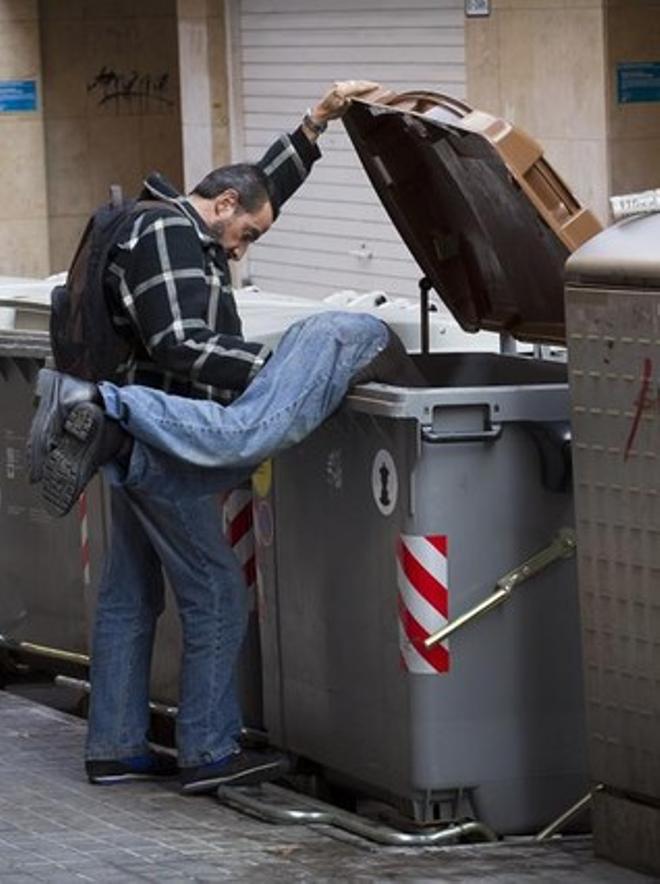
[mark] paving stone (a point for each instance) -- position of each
(56, 827)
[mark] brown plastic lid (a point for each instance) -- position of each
(486, 218)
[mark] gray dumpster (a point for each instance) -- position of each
(613, 323)
(46, 565)
(411, 506)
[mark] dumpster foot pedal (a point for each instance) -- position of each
(275, 804)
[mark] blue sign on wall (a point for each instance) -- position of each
(638, 81)
(18, 95)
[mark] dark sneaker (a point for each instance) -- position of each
(89, 441)
(57, 394)
(243, 768)
(140, 767)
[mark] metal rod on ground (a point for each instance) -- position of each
(66, 681)
(573, 811)
(562, 547)
(315, 812)
(44, 651)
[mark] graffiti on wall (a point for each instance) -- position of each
(132, 92)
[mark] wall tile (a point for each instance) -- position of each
(114, 148)
(498, 5)
(64, 88)
(197, 153)
(64, 232)
(217, 71)
(24, 247)
(68, 166)
(635, 164)
(194, 65)
(18, 10)
(115, 51)
(92, 142)
(160, 147)
(552, 71)
(192, 9)
(483, 68)
(120, 10)
(52, 10)
(633, 34)
(22, 181)
(19, 50)
(221, 147)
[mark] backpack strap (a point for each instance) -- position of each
(146, 205)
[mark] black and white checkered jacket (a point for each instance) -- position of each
(170, 293)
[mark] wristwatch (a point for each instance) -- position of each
(312, 125)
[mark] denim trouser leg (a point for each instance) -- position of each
(299, 387)
(130, 600)
(186, 536)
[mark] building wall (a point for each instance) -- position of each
(633, 34)
(541, 65)
(23, 204)
(111, 105)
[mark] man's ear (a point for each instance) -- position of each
(226, 203)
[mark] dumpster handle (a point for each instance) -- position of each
(493, 432)
(562, 547)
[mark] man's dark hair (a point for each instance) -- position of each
(247, 179)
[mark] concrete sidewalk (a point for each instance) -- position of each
(55, 827)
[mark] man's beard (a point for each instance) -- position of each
(217, 228)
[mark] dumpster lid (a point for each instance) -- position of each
(625, 254)
(484, 215)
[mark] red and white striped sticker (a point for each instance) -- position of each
(423, 601)
(239, 531)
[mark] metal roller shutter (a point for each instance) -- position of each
(334, 234)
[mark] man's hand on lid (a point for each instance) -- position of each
(334, 104)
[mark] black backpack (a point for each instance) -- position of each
(84, 340)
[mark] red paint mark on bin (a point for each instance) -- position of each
(84, 539)
(642, 403)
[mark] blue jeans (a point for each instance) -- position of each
(303, 382)
(152, 533)
(163, 514)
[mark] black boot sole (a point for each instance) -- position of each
(70, 465)
(39, 442)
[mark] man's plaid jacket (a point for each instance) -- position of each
(169, 289)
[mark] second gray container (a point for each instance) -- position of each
(404, 492)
